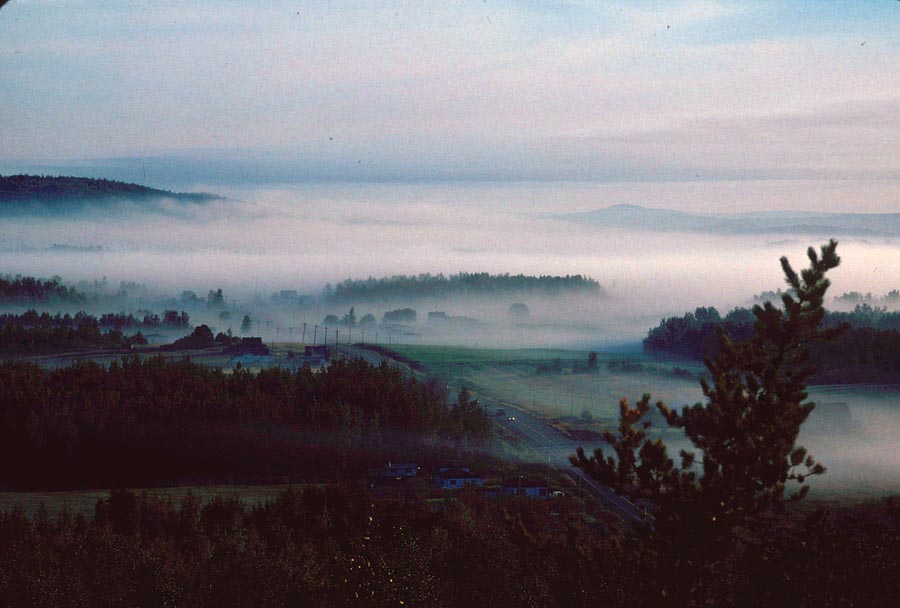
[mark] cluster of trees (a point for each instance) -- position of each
(464, 283)
(14, 290)
(868, 352)
(144, 421)
(402, 316)
(18, 339)
(170, 318)
(45, 188)
(349, 320)
(854, 297)
(336, 545)
(591, 366)
(202, 337)
(32, 318)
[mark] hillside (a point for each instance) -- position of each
(53, 190)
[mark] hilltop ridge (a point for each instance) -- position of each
(25, 189)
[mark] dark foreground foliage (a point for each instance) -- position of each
(335, 545)
(147, 421)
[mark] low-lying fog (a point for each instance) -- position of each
(262, 241)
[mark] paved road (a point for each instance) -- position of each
(551, 444)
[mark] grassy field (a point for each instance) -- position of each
(509, 376)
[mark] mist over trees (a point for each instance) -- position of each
(19, 289)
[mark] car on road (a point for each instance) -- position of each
(511, 418)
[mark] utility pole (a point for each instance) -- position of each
(315, 331)
(303, 340)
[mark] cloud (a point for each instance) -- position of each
(550, 90)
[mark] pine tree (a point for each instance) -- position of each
(746, 432)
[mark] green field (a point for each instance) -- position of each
(508, 376)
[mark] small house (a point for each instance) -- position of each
(399, 470)
(455, 478)
(523, 486)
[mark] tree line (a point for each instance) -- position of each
(868, 352)
(87, 335)
(29, 289)
(152, 420)
(32, 318)
(32, 332)
(464, 283)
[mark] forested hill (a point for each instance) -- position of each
(464, 283)
(63, 189)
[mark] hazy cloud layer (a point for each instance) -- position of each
(260, 241)
(614, 91)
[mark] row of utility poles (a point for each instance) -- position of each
(337, 333)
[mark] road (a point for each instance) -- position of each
(547, 442)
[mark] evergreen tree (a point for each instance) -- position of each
(746, 431)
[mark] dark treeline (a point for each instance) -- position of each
(464, 283)
(24, 188)
(18, 289)
(155, 420)
(336, 545)
(42, 339)
(868, 352)
(32, 318)
(32, 332)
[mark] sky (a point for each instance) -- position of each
(734, 105)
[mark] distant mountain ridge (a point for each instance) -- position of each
(795, 222)
(55, 191)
